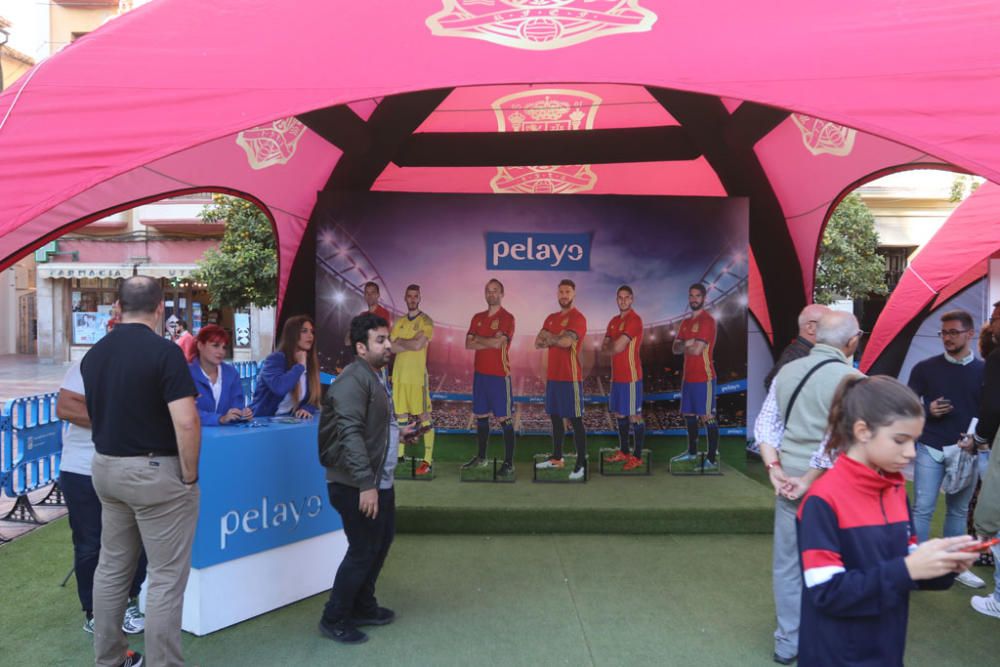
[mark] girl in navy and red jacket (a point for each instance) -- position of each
(860, 557)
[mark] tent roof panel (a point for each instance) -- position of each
(688, 178)
(154, 83)
(548, 106)
(929, 98)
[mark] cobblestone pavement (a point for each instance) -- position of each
(25, 375)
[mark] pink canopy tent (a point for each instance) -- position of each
(956, 256)
(788, 104)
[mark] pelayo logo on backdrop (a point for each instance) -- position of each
(530, 251)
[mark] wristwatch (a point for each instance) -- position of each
(773, 464)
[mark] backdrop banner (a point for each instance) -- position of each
(452, 244)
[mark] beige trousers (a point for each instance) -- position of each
(143, 504)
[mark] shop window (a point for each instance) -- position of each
(91, 300)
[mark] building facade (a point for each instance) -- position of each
(77, 278)
(909, 207)
(13, 63)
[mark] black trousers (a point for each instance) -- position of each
(368, 542)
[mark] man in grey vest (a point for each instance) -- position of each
(789, 428)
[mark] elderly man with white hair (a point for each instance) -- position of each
(789, 428)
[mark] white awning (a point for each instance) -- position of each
(87, 270)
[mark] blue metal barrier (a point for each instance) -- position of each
(4, 463)
(32, 450)
(248, 377)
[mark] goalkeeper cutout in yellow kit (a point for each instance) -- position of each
(410, 385)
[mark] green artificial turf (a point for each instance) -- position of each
(450, 447)
(679, 600)
(487, 472)
(658, 503)
(462, 447)
(604, 598)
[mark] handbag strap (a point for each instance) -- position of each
(802, 382)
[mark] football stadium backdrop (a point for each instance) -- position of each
(452, 244)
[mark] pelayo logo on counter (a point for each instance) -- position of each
(272, 494)
(529, 251)
(269, 515)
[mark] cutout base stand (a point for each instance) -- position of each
(696, 464)
(558, 475)
(617, 468)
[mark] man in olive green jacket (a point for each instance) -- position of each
(355, 432)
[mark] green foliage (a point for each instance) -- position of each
(243, 270)
(962, 186)
(958, 185)
(849, 266)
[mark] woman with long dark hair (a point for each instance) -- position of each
(288, 381)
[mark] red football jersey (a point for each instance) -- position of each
(699, 327)
(564, 362)
(381, 312)
(625, 366)
(493, 361)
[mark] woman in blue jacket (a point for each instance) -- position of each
(220, 391)
(288, 381)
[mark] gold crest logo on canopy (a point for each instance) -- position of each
(822, 136)
(268, 145)
(545, 110)
(539, 25)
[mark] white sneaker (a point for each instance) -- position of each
(550, 464)
(986, 605)
(577, 474)
(970, 580)
(134, 622)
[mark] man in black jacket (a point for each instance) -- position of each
(355, 430)
(798, 348)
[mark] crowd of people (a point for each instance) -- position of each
(847, 546)
(530, 385)
(532, 419)
(130, 476)
(452, 415)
